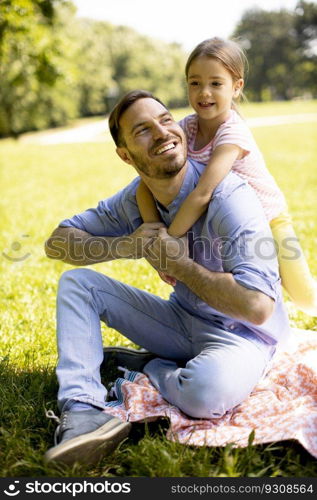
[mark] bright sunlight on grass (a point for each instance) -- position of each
(43, 185)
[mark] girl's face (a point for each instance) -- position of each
(211, 88)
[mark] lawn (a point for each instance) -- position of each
(41, 185)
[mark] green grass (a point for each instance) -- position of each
(43, 185)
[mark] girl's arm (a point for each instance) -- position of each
(197, 201)
(146, 204)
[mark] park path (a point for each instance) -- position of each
(98, 130)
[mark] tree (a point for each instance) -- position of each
(94, 72)
(281, 47)
(270, 42)
(138, 61)
(32, 66)
(54, 67)
(306, 32)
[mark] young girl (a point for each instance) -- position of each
(218, 137)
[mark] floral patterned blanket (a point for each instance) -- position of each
(282, 406)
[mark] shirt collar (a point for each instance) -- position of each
(189, 182)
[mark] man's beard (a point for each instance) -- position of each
(167, 170)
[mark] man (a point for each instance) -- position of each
(215, 335)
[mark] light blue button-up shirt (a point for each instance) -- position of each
(231, 236)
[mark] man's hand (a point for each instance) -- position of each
(166, 253)
(137, 243)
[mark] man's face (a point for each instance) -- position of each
(154, 143)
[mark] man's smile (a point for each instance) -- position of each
(166, 147)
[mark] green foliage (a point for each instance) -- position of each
(306, 32)
(45, 184)
(94, 79)
(54, 67)
(152, 65)
(35, 91)
(281, 49)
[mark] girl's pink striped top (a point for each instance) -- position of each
(251, 168)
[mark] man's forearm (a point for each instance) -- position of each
(221, 291)
(79, 248)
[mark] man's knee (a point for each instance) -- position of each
(208, 395)
(74, 277)
(207, 402)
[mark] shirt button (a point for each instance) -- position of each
(232, 326)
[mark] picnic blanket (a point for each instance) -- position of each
(282, 406)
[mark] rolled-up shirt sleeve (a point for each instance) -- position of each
(114, 216)
(247, 247)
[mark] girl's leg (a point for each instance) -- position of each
(295, 274)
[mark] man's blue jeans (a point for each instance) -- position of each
(221, 367)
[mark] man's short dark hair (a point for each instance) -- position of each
(125, 102)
